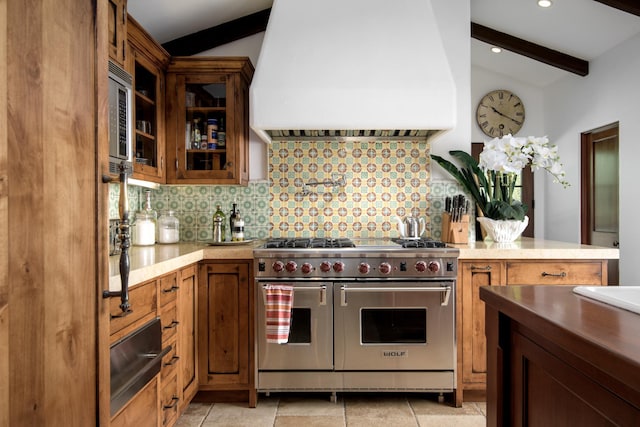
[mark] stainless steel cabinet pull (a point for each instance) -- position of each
(174, 402)
(485, 268)
(322, 289)
(545, 274)
(173, 324)
(171, 289)
(444, 299)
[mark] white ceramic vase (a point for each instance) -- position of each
(501, 230)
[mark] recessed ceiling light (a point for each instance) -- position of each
(544, 3)
(496, 49)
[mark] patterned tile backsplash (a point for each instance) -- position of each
(381, 180)
(194, 206)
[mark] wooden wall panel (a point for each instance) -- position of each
(4, 228)
(49, 212)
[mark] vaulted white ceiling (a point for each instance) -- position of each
(581, 28)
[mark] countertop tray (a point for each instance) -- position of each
(232, 243)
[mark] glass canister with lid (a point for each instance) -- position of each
(144, 224)
(168, 227)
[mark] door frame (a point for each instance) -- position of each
(586, 179)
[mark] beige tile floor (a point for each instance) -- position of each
(316, 410)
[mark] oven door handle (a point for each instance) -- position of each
(321, 288)
(444, 290)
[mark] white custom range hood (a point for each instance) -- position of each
(352, 68)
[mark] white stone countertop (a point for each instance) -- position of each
(148, 262)
(529, 248)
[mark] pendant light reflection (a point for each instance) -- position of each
(545, 3)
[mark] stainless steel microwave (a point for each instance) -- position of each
(120, 118)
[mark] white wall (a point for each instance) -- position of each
(573, 105)
(248, 46)
(483, 82)
(453, 18)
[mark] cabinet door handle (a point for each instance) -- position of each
(173, 360)
(173, 324)
(485, 268)
(171, 289)
(174, 402)
(562, 274)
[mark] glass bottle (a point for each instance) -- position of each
(232, 216)
(219, 225)
(237, 233)
(222, 133)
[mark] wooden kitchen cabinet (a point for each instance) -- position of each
(173, 298)
(203, 91)
(117, 10)
(187, 342)
(171, 328)
(473, 274)
(472, 355)
(147, 63)
(225, 321)
(142, 409)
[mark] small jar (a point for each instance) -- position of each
(168, 228)
(144, 229)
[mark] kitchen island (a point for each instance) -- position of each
(558, 358)
(526, 261)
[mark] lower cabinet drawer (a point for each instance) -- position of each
(169, 361)
(169, 322)
(554, 273)
(169, 401)
(144, 302)
(142, 409)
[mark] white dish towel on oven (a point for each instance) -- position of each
(279, 301)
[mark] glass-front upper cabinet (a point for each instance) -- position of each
(148, 62)
(207, 120)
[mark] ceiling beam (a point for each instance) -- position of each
(531, 50)
(221, 34)
(629, 6)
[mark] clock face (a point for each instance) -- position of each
(500, 112)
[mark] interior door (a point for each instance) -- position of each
(600, 203)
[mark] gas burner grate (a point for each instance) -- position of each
(278, 243)
(420, 243)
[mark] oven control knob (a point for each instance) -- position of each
(384, 268)
(325, 266)
(338, 267)
(421, 266)
(291, 266)
(278, 266)
(364, 268)
(434, 266)
(306, 268)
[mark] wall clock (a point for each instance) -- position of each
(500, 112)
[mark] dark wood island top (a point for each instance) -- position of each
(558, 358)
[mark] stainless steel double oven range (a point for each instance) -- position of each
(367, 315)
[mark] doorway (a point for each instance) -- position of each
(599, 191)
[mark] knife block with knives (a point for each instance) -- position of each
(455, 231)
(455, 220)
